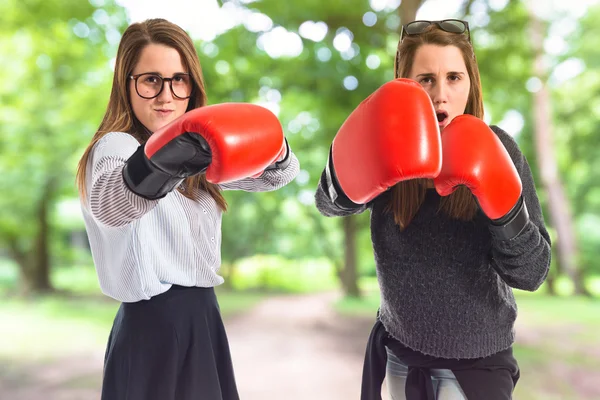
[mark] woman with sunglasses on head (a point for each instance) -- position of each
(455, 223)
(151, 185)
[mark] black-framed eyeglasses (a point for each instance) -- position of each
(149, 85)
(447, 25)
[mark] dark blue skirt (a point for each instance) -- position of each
(171, 347)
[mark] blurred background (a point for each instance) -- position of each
(301, 294)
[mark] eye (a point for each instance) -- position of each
(454, 77)
(151, 79)
(426, 80)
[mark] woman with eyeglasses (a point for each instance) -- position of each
(455, 223)
(151, 185)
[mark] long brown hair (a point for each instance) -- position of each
(407, 196)
(119, 116)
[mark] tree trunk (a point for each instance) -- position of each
(349, 274)
(25, 264)
(551, 280)
(557, 201)
(40, 279)
(408, 10)
(466, 8)
(227, 271)
(34, 260)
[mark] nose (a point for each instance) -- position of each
(165, 95)
(439, 94)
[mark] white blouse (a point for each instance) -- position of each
(141, 247)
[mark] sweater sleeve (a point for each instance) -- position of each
(523, 261)
(330, 208)
(108, 198)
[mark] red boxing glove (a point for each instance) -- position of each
(282, 160)
(229, 141)
(474, 156)
(393, 135)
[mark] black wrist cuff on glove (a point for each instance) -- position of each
(283, 163)
(144, 179)
(513, 223)
(333, 188)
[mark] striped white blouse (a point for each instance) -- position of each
(141, 247)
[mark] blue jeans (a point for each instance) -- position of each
(445, 385)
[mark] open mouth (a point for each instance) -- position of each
(442, 117)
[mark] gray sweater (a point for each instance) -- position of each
(446, 284)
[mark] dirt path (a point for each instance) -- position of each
(73, 378)
(297, 348)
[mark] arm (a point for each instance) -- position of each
(489, 162)
(330, 199)
(274, 177)
(524, 260)
(108, 198)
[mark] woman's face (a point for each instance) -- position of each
(157, 112)
(442, 72)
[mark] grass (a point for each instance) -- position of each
(47, 327)
(76, 319)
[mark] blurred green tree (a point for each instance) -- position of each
(55, 82)
(56, 57)
(505, 52)
(576, 124)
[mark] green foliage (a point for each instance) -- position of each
(504, 56)
(577, 123)
(55, 58)
(57, 75)
(276, 274)
(313, 105)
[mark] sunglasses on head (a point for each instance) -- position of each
(447, 25)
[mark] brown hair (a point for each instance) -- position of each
(119, 116)
(407, 196)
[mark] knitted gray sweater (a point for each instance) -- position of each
(446, 284)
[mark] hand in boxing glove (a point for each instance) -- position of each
(228, 141)
(281, 162)
(393, 135)
(474, 156)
